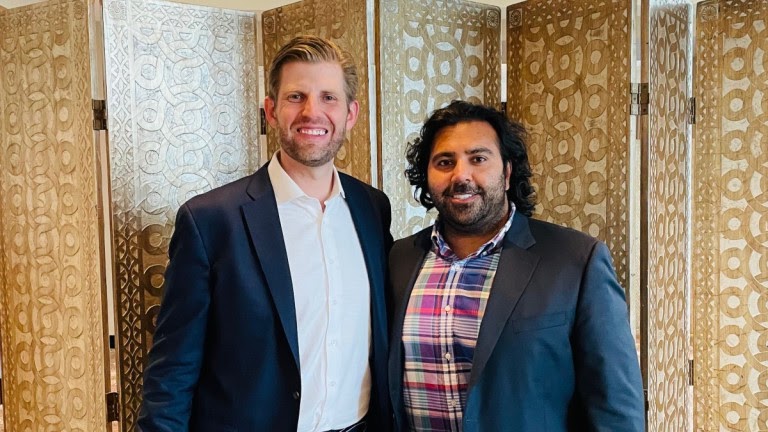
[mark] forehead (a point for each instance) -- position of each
(465, 137)
(327, 76)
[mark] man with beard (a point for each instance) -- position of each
(273, 316)
(502, 322)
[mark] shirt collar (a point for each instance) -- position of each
(287, 190)
(444, 251)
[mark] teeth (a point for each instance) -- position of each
(313, 131)
(462, 196)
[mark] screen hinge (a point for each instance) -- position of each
(692, 110)
(99, 114)
(690, 372)
(638, 99)
(113, 407)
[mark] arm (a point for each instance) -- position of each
(608, 382)
(174, 361)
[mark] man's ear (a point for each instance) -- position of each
(507, 174)
(353, 109)
(269, 111)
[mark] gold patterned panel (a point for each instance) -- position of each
(182, 87)
(50, 275)
(431, 52)
(568, 83)
(730, 216)
(668, 217)
(344, 22)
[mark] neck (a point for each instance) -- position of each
(316, 182)
(464, 242)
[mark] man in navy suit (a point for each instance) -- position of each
(273, 316)
(501, 322)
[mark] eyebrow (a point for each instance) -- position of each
(472, 151)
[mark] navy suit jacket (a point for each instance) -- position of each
(554, 351)
(225, 355)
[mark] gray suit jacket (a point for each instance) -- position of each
(554, 351)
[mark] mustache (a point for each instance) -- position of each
(462, 188)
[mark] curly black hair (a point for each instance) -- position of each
(512, 138)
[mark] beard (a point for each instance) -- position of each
(308, 154)
(481, 216)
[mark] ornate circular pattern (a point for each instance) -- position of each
(430, 56)
(49, 251)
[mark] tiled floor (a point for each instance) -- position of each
(113, 369)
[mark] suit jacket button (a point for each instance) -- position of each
(296, 395)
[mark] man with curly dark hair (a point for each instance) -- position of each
(502, 322)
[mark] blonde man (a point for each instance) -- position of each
(274, 313)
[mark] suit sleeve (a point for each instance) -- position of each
(385, 208)
(608, 382)
(176, 356)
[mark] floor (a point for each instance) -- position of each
(115, 425)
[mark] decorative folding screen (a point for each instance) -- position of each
(50, 261)
(668, 216)
(568, 83)
(430, 52)
(346, 23)
(182, 96)
(730, 217)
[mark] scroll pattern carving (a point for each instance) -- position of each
(568, 74)
(344, 22)
(730, 214)
(431, 53)
(668, 216)
(50, 284)
(182, 85)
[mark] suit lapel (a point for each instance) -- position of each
(367, 225)
(404, 264)
(516, 266)
(263, 221)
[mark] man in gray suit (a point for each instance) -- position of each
(501, 322)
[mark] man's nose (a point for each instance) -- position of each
(461, 172)
(310, 107)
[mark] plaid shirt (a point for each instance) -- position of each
(440, 330)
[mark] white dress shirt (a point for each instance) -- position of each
(332, 296)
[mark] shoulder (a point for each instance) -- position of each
(567, 242)
(228, 198)
(223, 197)
(547, 231)
(377, 196)
(413, 241)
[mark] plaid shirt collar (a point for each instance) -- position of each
(441, 249)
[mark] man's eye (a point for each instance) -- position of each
(330, 98)
(479, 159)
(443, 163)
(294, 97)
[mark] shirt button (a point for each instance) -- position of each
(296, 395)
(333, 342)
(451, 403)
(447, 308)
(333, 383)
(448, 356)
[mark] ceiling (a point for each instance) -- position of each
(240, 4)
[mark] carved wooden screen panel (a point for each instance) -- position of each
(668, 218)
(50, 272)
(730, 217)
(568, 83)
(344, 22)
(431, 52)
(182, 87)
